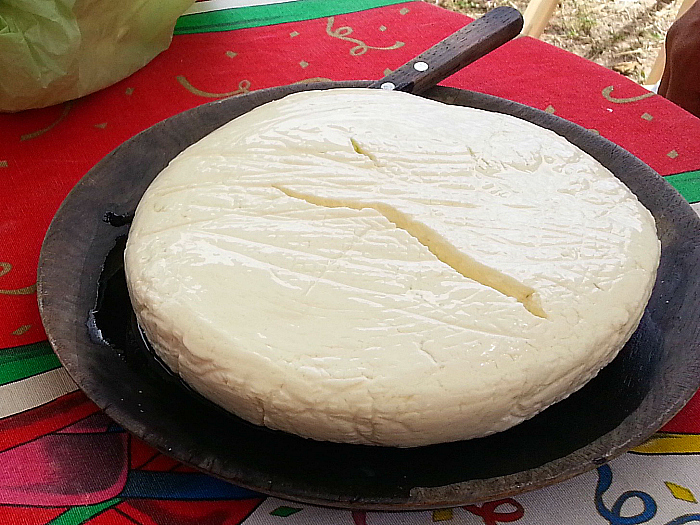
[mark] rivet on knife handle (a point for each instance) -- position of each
(458, 50)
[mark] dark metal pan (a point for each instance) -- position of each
(88, 318)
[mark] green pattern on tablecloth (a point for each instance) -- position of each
(78, 515)
(21, 362)
(266, 15)
(687, 184)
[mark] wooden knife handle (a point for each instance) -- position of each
(445, 58)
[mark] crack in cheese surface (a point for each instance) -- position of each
(438, 246)
(372, 267)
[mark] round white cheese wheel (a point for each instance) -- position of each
(365, 266)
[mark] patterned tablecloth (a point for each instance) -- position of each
(63, 462)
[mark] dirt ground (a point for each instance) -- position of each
(624, 35)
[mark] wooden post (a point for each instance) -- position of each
(537, 15)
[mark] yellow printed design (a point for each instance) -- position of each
(442, 515)
(670, 443)
(607, 95)
(22, 330)
(5, 268)
(681, 492)
(344, 32)
(39, 132)
(243, 87)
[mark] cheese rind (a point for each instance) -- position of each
(372, 267)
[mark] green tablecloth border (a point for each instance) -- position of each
(266, 15)
(21, 362)
(687, 184)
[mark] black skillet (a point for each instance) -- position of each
(88, 318)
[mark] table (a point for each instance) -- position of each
(64, 462)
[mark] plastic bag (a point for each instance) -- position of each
(57, 50)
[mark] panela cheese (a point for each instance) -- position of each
(366, 266)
